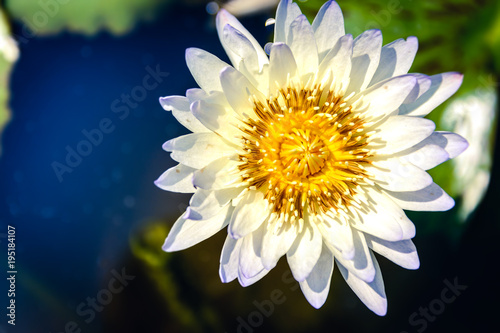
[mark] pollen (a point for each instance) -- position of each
(306, 150)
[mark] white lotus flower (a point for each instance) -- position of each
(313, 152)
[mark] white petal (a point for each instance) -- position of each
(317, 285)
(337, 234)
(372, 294)
(431, 198)
(245, 58)
(239, 92)
(453, 143)
(249, 262)
(396, 59)
(362, 264)
(338, 60)
(205, 68)
(395, 175)
(245, 282)
(223, 19)
(441, 88)
(328, 26)
(285, 14)
(379, 223)
(186, 233)
(197, 150)
(434, 150)
(217, 175)
(179, 106)
(249, 214)
(402, 253)
(303, 45)
(305, 252)
(177, 179)
(276, 244)
(425, 155)
(215, 114)
(422, 85)
(385, 97)
(383, 218)
(398, 133)
(228, 270)
(258, 238)
(365, 59)
(205, 204)
(242, 49)
(281, 66)
(196, 94)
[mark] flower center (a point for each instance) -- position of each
(306, 150)
(303, 153)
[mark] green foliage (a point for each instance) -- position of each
(83, 16)
(8, 55)
(454, 35)
(4, 93)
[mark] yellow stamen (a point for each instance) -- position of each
(306, 155)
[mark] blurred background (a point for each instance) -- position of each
(81, 135)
